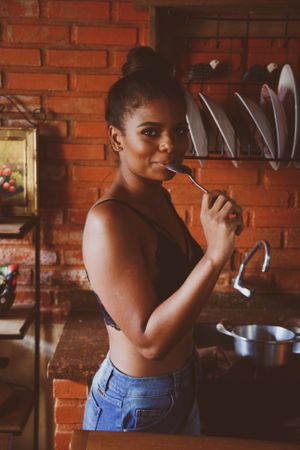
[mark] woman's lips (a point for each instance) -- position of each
(162, 163)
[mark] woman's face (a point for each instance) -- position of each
(154, 135)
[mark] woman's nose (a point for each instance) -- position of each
(166, 144)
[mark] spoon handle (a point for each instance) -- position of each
(198, 184)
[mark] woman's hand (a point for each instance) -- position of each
(221, 220)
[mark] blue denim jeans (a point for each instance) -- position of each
(162, 404)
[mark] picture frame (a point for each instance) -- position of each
(18, 172)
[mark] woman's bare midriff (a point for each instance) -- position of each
(128, 360)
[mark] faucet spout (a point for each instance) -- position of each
(237, 282)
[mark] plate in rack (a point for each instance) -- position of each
(196, 127)
(264, 134)
(288, 96)
(275, 113)
(224, 126)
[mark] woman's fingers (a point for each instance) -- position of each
(206, 202)
(217, 199)
(226, 208)
(233, 216)
(222, 208)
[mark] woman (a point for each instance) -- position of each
(150, 276)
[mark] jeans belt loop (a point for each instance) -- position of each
(106, 376)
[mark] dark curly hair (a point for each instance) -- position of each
(146, 76)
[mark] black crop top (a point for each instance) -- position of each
(173, 265)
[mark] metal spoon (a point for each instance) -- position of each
(180, 168)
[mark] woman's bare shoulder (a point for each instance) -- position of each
(113, 224)
(108, 215)
(104, 209)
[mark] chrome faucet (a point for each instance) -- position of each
(237, 282)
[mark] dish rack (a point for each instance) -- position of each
(193, 38)
(269, 131)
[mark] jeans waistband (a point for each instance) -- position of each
(121, 382)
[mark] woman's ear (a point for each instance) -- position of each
(115, 138)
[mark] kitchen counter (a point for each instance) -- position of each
(83, 343)
(82, 346)
(247, 402)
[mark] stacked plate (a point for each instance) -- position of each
(276, 127)
(288, 96)
(197, 131)
(274, 121)
(224, 126)
(263, 132)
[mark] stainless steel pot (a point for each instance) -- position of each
(264, 345)
(294, 325)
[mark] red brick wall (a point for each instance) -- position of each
(70, 397)
(62, 56)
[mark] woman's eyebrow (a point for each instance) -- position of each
(159, 124)
(152, 124)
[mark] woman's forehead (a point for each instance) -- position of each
(158, 110)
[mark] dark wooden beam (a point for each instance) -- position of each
(277, 7)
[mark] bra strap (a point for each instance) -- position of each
(151, 222)
(139, 213)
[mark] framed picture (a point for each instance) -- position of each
(18, 172)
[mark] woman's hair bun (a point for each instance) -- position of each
(147, 76)
(145, 59)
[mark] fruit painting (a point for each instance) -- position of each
(11, 179)
(12, 170)
(18, 171)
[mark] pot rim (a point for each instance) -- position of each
(268, 342)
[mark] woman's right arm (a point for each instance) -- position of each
(221, 218)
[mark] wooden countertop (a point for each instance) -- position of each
(98, 440)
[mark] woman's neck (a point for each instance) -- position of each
(141, 190)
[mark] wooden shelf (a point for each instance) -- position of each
(14, 325)
(16, 321)
(14, 414)
(16, 227)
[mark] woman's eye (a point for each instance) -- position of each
(182, 131)
(151, 132)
